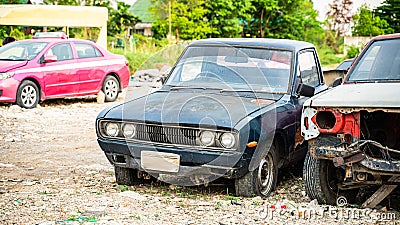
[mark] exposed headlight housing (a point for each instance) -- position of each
(227, 140)
(129, 130)
(112, 129)
(207, 138)
(6, 75)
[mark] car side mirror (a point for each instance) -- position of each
(338, 81)
(50, 58)
(305, 90)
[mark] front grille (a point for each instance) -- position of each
(166, 135)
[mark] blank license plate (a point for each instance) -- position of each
(160, 161)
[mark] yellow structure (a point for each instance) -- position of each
(57, 16)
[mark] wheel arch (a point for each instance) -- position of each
(116, 76)
(41, 95)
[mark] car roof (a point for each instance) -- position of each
(387, 36)
(55, 40)
(256, 42)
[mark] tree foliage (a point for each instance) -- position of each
(226, 17)
(193, 19)
(119, 19)
(368, 24)
(390, 12)
(188, 20)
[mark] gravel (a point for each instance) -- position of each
(53, 172)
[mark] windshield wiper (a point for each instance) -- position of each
(255, 91)
(193, 87)
(17, 59)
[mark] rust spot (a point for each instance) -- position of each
(298, 139)
(261, 101)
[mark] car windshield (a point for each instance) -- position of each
(21, 50)
(233, 68)
(380, 63)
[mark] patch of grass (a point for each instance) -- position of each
(231, 198)
(81, 219)
(327, 56)
(218, 205)
(255, 203)
(148, 58)
(123, 188)
(45, 192)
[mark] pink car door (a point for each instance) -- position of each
(91, 70)
(59, 77)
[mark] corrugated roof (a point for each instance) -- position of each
(141, 9)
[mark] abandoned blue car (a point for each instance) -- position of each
(229, 108)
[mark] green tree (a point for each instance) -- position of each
(62, 2)
(390, 12)
(294, 19)
(227, 17)
(188, 20)
(120, 19)
(264, 11)
(367, 24)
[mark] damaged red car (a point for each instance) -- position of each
(353, 130)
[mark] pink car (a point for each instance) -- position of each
(42, 68)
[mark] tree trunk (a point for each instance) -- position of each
(261, 23)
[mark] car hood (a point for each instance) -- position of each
(6, 65)
(185, 107)
(376, 95)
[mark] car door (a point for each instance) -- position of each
(308, 72)
(91, 70)
(59, 79)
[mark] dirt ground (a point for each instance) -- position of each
(52, 171)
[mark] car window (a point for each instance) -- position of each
(379, 63)
(237, 68)
(61, 51)
(308, 68)
(21, 50)
(87, 51)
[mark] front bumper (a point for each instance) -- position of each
(8, 90)
(192, 162)
(342, 156)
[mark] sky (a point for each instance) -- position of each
(322, 6)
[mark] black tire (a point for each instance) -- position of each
(321, 179)
(125, 176)
(261, 181)
(110, 88)
(28, 95)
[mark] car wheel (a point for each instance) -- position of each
(261, 181)
(321, 179)
(110, 88)
(125, 176)
(28, 95)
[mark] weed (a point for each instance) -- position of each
(218, 205)
(123, 188)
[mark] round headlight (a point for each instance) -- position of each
(207, 138)
(129, 130)
(227, 140)
(112, 129)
